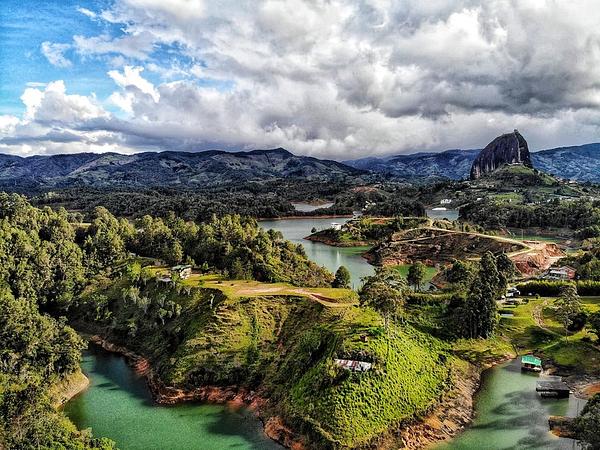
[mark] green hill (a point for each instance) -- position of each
(516, 184)
(283, 346)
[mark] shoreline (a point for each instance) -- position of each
(274, 426)
(332, 243)
(69, 388)
(326, 216)
(451, 415)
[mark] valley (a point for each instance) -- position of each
(358, 319)
(297, 224)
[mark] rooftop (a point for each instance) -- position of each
(530, 359)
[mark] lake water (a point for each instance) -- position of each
(118, 405)
(511, 415)
(450, 214)
(296, 230)
(308, 207)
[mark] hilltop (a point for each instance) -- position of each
(510, 148)
(279, 348)
(510, 184)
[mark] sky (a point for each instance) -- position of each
(332, 79)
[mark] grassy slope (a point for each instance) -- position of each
(534, 328)
(286, 345)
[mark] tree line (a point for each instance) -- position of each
(575, 215)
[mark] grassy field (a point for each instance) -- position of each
(249, 288)
(534, 329)
(430, 272)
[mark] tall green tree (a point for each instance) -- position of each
(588, 424)
(342, 278)
(480, 308)
(384, 291)
(104, 244)
(460, 274)
(567, 305)
(594, 321)
(416, 275)
(506, 270)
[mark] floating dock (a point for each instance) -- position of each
(553, 387)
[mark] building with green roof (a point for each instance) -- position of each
(531, 363)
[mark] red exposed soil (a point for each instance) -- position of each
(434, 245)
(539, 259)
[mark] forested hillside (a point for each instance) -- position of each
(47, 261)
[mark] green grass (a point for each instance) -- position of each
(410, 373)
(478, 351)
(270, 337)
(430, 272)
(250, 288)
(528, 337)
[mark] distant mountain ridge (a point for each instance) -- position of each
(152, 169)
(581, 163)
(216, 167)
(454, 164)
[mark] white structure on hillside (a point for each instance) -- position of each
(183, 271)
(355, 366)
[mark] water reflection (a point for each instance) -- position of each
(295, 230)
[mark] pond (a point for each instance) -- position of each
(118, 405)
(511, 415)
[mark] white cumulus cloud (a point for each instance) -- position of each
(337, 78)
(54, 53)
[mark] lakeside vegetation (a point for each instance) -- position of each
(257, 314)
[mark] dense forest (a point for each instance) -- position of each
(574, 215)
(253, 199)
(47, 260)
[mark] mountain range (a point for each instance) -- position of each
(214, 167)
(152, 169)
(581, 163)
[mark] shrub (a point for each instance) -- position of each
(547, 288)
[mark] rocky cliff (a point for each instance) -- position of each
(509, 148)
